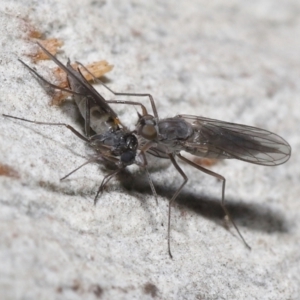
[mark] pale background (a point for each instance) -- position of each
(231, 60)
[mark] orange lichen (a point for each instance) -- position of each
(98, 68)
(51, 45)
(6, 170)
(204, 162)
(33, 34)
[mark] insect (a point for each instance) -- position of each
(115, 143)
(209, 138)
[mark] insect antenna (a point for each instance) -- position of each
(47, 82)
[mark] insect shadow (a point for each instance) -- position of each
(256, 216)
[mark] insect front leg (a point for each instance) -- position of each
(144, 110)
(153, 106)
(51, 124)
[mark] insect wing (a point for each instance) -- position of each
(230, 140)
(81, 81)
(86, 97)
(83, 92)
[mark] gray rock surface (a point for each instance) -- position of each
(234, 61)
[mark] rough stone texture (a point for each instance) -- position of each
(234, 61)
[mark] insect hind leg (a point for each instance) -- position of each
(185, 180)
(218, 176)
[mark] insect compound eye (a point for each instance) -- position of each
(147, 128)
(149, 132)
(128, 157)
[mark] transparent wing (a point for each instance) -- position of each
(81, 86)
(218, 139)
(100, 117)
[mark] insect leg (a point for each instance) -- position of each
(185, 179)
(145, 112)
(59, 124)
(153, 106)
(87, 118)
(104, 182)
(218, 176)
(125, 94)
(87, 162)
(51, 124)
(143, 163)
(151, 185)
(47, 82)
